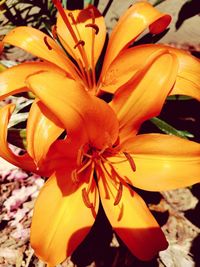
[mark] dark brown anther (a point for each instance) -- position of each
(119, 194)
(80, 42)
(46, 43)
(54, 31)
(93, 26)
(86, 200)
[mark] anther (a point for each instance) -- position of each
(74, 176)
(93, 26)
(54, 31)
(80, 42)
(72, 17)
(119, 194)
(131, 161)
(86, 200)
(46, 43)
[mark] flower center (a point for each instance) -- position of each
(95, 164)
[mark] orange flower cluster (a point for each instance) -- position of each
(100, 156)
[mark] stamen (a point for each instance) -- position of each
(93, 26)
(46, 43)
(86, 199)
(80, 42)
(119, 194)
(92, 48)
(131, 161)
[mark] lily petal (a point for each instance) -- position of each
(86, 118)
(133, 59)
(43, 128)
(163, 162)
(89, 25)
(133, 222)
(60, 199)
(143, 97)
(136, 19)
(188, 79)
(41, 45)
(24, 161)
(127, 64)
(12, 80)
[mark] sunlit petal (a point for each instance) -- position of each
(163, 162)
(12, 80)
(127, 64)
(43, 128)
(40, 45)
(132, 60)
(86, 118)
(188, 79)
(143, 97)
(89, 27)
(60, 219)
(136, 19)
(133, 222)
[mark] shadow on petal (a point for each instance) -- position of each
(145, 252)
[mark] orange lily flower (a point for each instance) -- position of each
(101, 156)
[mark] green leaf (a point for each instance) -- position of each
(64, 3)
(158, 2)
(88, 2)
(178, 97)
(168, 129)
